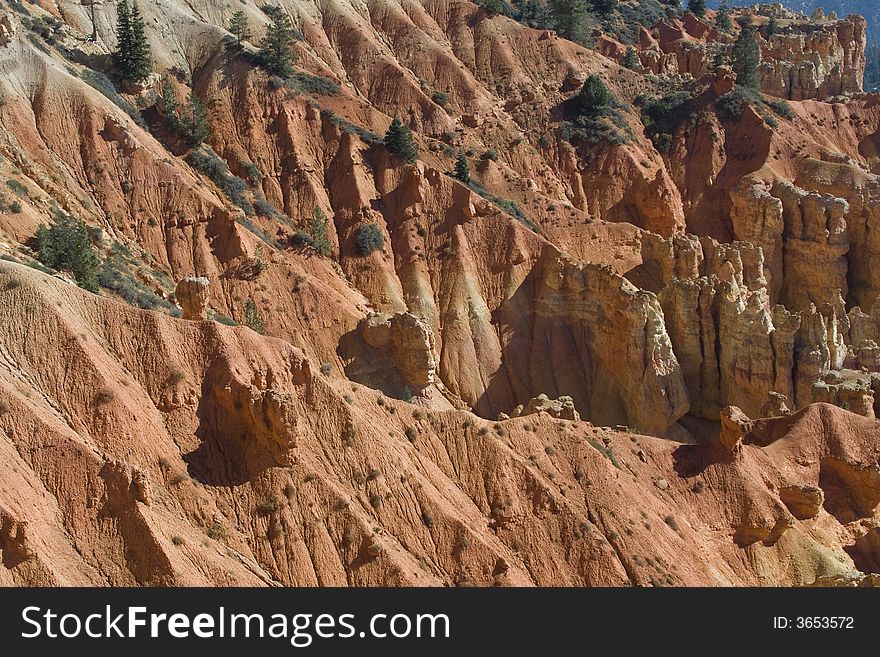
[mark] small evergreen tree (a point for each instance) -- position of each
(169, 105)
(747, 59)
(318, 230)
(772, 26)
(368, 239)
(631, 59)
(462, 168)
(238, 26)
(194, 125)
(276, 49)
(123, 35)
(66, 246)
(399, 140)
(529, 12)
(132, 54)
(594, 96)
(722, 19)
(252, 318)
(697, 7)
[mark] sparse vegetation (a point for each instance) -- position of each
(252, 318)
(505, 205)
(177, 540)
(462, 168)
(217, 532)
(399, 140)
(315, 85)
(4, 407)
(605, 451)
(267, 507)
(132, 54)
(17, 187)
(239, 27)
(276, 52)
(67, 246)
(368, 239)
(317, 235)
(102, 83)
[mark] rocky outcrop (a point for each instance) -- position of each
(407, 342)
(192, 295)
(7, 30)
(816, 243)
(561, 407)
(803, 500)
(819, 59)
(804, 59)
(736, 347)
(625, 371)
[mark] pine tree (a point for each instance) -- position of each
(529, 12)
(697, 7)
(772, 26)
(276, 48)
(138, 64)
(238, 26)
(66, 246)
(631, 59)
(747, 59)
(594, 96)
(571, 18)
(399, 141)
(318, 229)
(722, 19)
(169, 105)
(194, 125)
(462, 168)
(123, 35)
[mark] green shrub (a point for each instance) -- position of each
(368, 239)
(66, 246)
(317, 236)
(491, 154)
(17, 187)
(252, 318)
(631, 60)
(440, 98)
(594, 96)
(780, 107)
(663, 115)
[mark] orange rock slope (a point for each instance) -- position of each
(543, 378)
